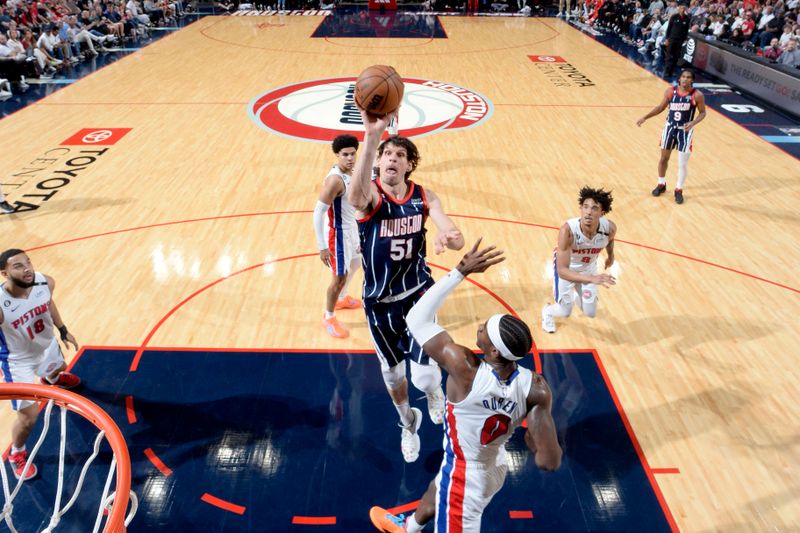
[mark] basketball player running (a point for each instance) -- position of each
(682, 101)
(340, 251)
(392, 211)
(486, 401)
(28, 348)
(580, 242)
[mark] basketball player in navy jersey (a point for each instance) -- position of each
(392, 211)
(29, 352)
(580, 241)
(337, 234)
(487, 399)
(682, 100)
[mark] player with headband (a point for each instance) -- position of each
(486, 400)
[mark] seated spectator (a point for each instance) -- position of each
(748, 26)
(737, 37)
(791, 54)
(786, 35)
(773, 51)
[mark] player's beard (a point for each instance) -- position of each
(22, 284)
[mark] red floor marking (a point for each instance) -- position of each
(636, 446)
(665, 471)
(129, 410)
(404, 508)
(315, 520)
(222, 504)
(517, 515)
(138, 356)
(158, 463)
(474, 217)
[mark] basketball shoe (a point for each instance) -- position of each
(348, 302)
(678, 196)
(386, 521)
(436, 405)
(548, 324)
(65, 381)
(334, 329)
(18, 461)
(6, 207)
(659, 190)
(409, 440)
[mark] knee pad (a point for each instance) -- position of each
(393, 377)
(589, 299)
(426, 378)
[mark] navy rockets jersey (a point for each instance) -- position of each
(393, 244)
(681, 107)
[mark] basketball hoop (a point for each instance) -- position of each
(113, 505)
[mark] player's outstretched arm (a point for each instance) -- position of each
(657, 109)
(363, 194)
(541, 435)
(449, 236)
(436, 342)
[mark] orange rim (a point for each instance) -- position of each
(98, 417)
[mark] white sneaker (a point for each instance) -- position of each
(548, 324)
(436, 405)
(409, 441)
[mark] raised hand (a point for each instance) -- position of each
(480, 261)
(374, 124)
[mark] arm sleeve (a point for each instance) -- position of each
(319, 224)
(421, 320)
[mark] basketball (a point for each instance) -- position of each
(379, 90)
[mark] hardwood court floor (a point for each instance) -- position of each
(699, 336)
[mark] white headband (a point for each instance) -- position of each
(493, 329)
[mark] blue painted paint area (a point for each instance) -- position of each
(361, 22)
(781, 139)
(748, 111)
(286, 434)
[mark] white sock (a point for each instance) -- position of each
(14, 449)
(412, 526)
(329, 314)
(406, 416)
(662, 180)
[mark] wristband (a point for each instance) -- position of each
(63, 331)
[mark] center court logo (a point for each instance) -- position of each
(319, 110)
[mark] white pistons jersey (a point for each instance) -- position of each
(477, 427)
(585, 251)
(27, 328)
(342, 215)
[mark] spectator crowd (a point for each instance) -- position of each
(769, 28)
(39, 38)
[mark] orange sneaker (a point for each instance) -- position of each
(348, 302)
(387, 522)
(334, 328)
(18, 461)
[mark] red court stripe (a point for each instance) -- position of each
(665, 471)
(138, 356)
(404, 508)
(518, 515)
(129, 410)
(222, 504)
(158, 463)
(315, 520)
(636, 446)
